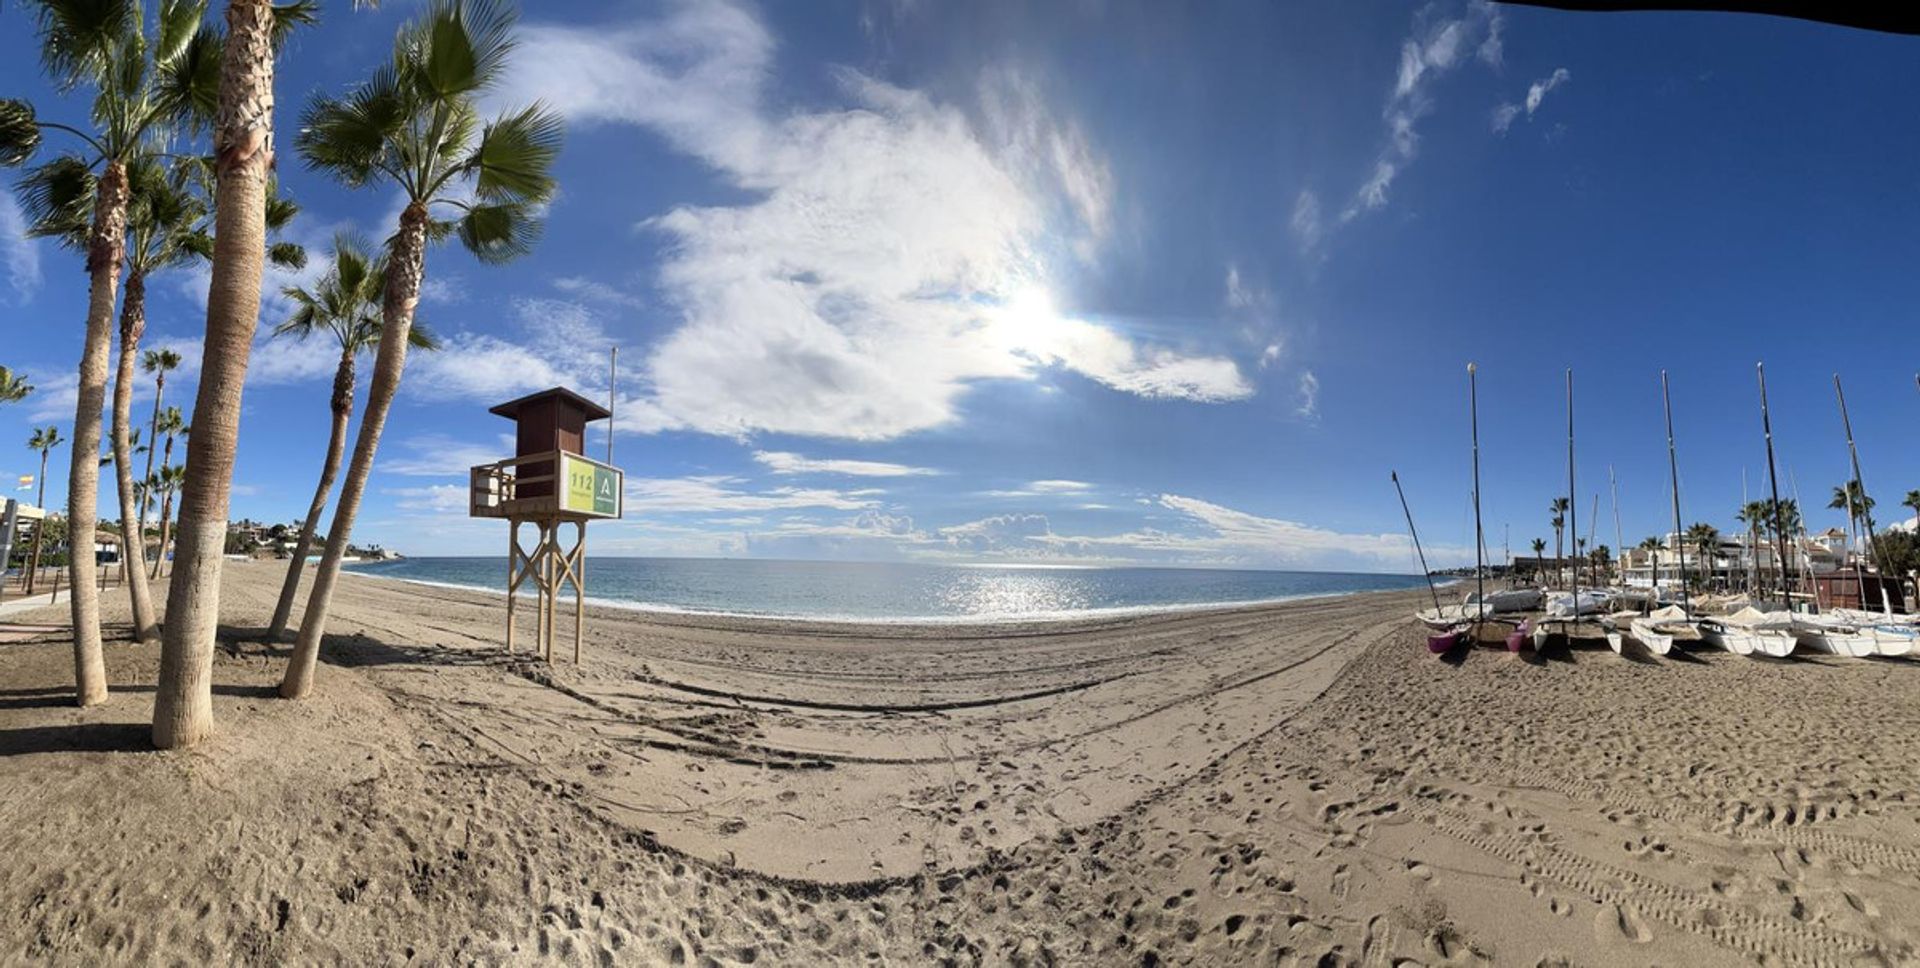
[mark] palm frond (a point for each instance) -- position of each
(514, 161)
(499, 233)
(287, 255)
(348, 137)
(178, 20)
(57, 199)
(186, 86)
(288, 16)
(459, 47)
(421, 338)
(19, 132)
(80, 38)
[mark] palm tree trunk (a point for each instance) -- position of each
(166, 519)
(336, 448)
(133, 553)
(243, 159)
(39, 530)
(166, 461)
(153, 438)
(105, 251)
(406, 268)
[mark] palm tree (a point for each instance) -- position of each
(158, 362)
(161, 222)
(166, 481)
(171, 425)
(141, 90)
(13, 387)
(415, 124)
(1912, 500)
(1852, 498)
(1705, 539)
(243, 166)
(1559, 519)
(44, 440)
(346, 305)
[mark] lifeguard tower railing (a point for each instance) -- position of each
(555, 484)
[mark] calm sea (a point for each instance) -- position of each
(916, 592)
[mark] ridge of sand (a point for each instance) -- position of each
(1297, 782)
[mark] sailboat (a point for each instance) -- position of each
(1564, 609)
(1447, 632)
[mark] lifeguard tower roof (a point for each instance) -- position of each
(512, 408)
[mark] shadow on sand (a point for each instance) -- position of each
(77, 738)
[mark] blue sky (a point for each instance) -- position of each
(1118, 282)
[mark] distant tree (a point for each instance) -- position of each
(1912, 500)
(158, 362)
(13, 387)
(1559, 520)
(1853, 499)
(44, 440)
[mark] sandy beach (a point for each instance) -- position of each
(1296, 783)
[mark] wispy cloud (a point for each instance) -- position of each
(885, 259)
(1308, 396)
(1505, 114)
(590, 290)
(439, 455)
(1305, 222)
(1436, 47)
(18, 253)
(784, 462)
(1047, 488)
(723, 493)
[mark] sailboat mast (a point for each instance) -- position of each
(1619, 536)
(1866, 513)
(1479, 537)
(1425, 572)
(1773, 483)
(1573, 508)
(1673, 471)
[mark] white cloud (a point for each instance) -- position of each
(1047, 488)
(439, 455)
(1308, 396)
(562, 344)
(1060, 486)
(722, 493)
(1503, 117)
(1000, 532)
(1305, 223)
(596, 292)
(1434, 49)
(443, 290)
(18, 253)
(1538, 91)
(436, 498)
(1209, 533)
(1505, 114)
(783, 462)
(887, 258)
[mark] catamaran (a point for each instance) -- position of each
(1662, 628)
(1750, 631)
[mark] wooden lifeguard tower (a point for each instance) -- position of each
(548, 482)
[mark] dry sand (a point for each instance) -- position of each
(1287, 784)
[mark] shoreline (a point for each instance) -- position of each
(936, 621)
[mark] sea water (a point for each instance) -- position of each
(901, 591)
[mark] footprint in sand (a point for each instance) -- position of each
(1620, 923)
